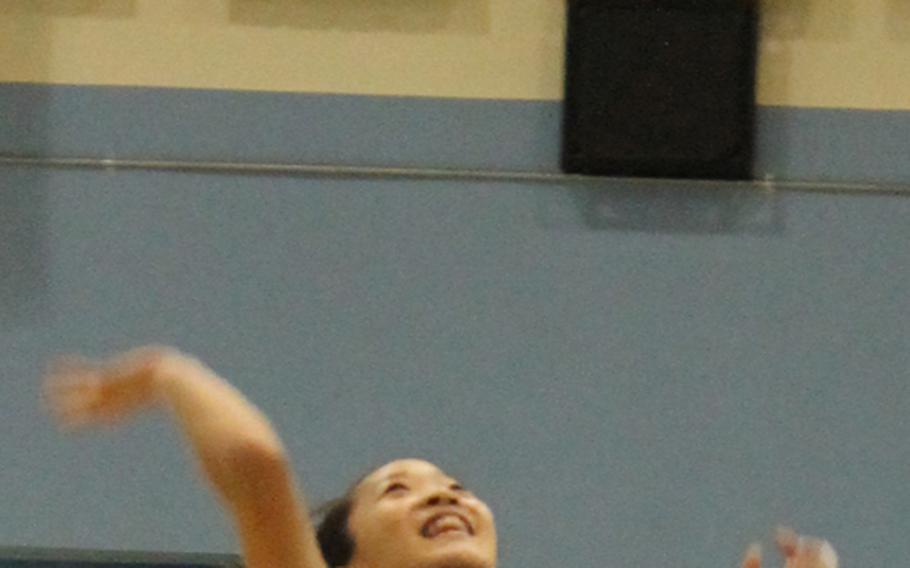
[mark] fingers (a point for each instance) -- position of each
(827, 556)
(787, 541)
(71, 391)
(804, 552)
(68, 376)
(79, 392)
(752, 559)
(71, 399)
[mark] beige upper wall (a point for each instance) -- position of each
(817, 53)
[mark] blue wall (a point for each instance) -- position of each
(631, 374)
(125, 123)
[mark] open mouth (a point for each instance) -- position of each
(446, 524)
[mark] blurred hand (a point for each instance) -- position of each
(798, 551)
(803, 551)
(80, 392)
(753, 557)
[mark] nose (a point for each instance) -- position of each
(442, 497)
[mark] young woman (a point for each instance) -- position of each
(405, 514)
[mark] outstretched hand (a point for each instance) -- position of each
(80, 392)
(798, 551)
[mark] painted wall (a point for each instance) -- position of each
(815, 53)
(631, 376)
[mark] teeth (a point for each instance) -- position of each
(445, 523)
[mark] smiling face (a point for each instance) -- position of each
(410, 514)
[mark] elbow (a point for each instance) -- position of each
(259, 459)
(253, 471)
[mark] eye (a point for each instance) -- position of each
(395, 487)
(458, 487)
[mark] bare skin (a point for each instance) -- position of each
(244, 462)
(239, 453)
(798, 551)
(411, 513)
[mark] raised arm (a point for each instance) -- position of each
(239, 453)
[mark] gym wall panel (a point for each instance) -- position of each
(816, 53)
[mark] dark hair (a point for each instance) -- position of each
(335, 540)
(332, 532)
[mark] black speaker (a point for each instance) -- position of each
(660, 88)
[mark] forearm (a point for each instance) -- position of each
(244, 461)
(227, 433)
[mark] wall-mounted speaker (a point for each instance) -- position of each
(660, 88)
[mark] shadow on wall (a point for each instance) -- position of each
(665, 207)
(70, 8)
(456, 17)
(23, 192)
(23, 248)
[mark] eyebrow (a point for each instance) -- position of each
(399, 474)
(395, 475)
(386, 480)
